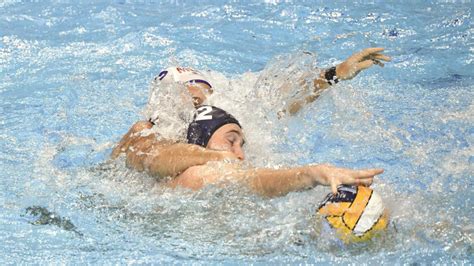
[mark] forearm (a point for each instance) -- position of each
(173, 159)
(343, 71)
(279, 182)
(319, 85)
(266, 182)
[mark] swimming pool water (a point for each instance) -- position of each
(74, 77)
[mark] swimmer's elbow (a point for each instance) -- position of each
(116, 152)
(123, 144)
(140, 126)
(188, 179)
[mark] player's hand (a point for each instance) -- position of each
(334, 176)
(130, 138)
(360, 61)
(227, 156)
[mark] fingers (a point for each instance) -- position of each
(377, 58)
(365, 64)
(366, 177)
(376, 171)
(381, 57)
(337, 176)
(368, 63)
(369, 172)
(369, 51)
(362, 178)
(366, 52)
(377, 62)
(364, 182)
(334, 187)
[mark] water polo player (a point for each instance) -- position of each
(214, 128)
(196, 84)
(177, 157)
(170, 157)
(206, 128)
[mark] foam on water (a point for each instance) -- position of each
(76, 77)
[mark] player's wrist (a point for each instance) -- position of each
(320, 174)
(310, 174)
(222, 155)
(330, 75)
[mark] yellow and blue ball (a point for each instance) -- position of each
(357, 213)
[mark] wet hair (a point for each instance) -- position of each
(207, 120)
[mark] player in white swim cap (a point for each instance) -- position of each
(173, 157)
(194, 81)
(174, 93)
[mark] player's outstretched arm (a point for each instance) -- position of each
(346, 70)
(278, 182)
(274, 182)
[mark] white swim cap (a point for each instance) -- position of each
(183, 75)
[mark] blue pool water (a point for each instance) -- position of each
(74, 77)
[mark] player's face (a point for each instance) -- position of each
(230, 138)
(200, 92)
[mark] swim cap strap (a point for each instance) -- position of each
(200, 81)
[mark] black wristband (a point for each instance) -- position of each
(330, 76)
